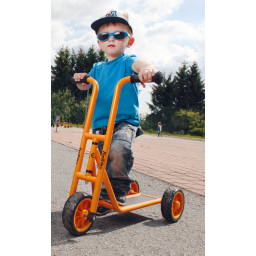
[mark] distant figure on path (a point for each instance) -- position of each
(159, 129)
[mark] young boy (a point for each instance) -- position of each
(114, 34)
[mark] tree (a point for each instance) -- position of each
(78, 111)
(101, 56)
(92, 57)
(196, 88)
(67, 63)
(63, 104)
(184, 92)
(63, 68)
(162, 95)
(188, 122)
(79, 67)
(80, 61)
(73, 60)
(181, 84)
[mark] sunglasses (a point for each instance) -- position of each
(119, 35)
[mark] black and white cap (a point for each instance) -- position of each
(111, 16)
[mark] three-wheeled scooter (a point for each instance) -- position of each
(79, 212)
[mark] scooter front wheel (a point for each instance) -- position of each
(75, 214)
(172, 205)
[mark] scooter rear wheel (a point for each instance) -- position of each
(135, 188)
(172, 205)
(75, 212)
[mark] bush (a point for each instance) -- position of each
(180, 122)
(196, 132)
(63, 104)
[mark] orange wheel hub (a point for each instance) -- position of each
(80, 217)
(177, 205)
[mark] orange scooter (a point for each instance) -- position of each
(79, 212)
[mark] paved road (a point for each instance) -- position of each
(141, 232)
(180, 162)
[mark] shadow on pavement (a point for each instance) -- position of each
(102, 225)
(157, 223)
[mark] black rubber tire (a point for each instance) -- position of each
(137, 183)
(69, 212)
(167, 203)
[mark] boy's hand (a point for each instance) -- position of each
(78, 77)
(145, 71)
(146, 74)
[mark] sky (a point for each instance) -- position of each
(166, 32)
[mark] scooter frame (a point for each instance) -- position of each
(173, 199)
(101, 160)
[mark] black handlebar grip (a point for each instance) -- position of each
(157, 78)
(70, 80)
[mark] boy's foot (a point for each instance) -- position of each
(120, 200)
(103, 210)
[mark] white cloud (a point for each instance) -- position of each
(169, 43)
(58, 32)
(151, 11)
(84, 11)
(175, 30)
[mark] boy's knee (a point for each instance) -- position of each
(121, 150)
(121, 147)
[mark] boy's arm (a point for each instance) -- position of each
(83, 86)
(145, 71)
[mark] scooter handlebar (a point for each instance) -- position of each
(157, 78)
(70, 80)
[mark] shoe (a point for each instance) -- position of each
(103, 211)
(120, 200)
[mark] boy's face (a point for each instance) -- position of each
(114, 48)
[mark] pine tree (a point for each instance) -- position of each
(196, 89)
(79, 68)
(181, 83)
(80, 61)
(92, 57)
(162, 98)
(67, 63)
(162, 95)
(85, 63)
(101, 56)
(61, 69)
(73, 60)
(184, 94)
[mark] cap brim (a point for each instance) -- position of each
(98, 23)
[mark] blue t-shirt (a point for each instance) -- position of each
(107, 74)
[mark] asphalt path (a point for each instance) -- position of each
(140, 232)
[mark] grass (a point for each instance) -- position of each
(175, 135)
(163, 133)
